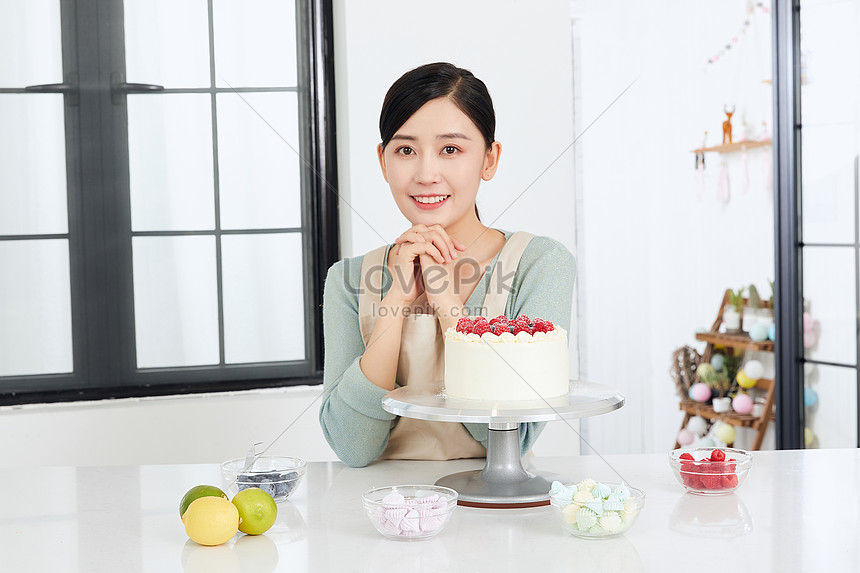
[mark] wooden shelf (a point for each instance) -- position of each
(706, 411)
(742, 341)
(714, 338)
(732, 147)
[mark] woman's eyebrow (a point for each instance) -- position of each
(453, 135)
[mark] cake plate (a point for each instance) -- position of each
(504, 482)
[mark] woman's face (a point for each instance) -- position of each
(435, 163)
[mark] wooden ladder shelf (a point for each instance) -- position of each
(714, 338)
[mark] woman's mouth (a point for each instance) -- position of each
(430, 201)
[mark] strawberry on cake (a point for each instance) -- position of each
(506, 359)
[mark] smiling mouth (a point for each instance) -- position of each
(430, 199)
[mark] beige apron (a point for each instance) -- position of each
(422, 356)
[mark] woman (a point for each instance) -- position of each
(384, 313)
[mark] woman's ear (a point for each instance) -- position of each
(380, 153)
(491, 161)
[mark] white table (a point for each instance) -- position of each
(798, 511)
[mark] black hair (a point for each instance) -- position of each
(431, 81)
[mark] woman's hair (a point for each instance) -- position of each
(431, 81)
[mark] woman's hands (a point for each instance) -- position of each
(423, 261)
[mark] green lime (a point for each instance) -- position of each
(197, 492)
(257, 510)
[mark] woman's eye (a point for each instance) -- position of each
(449, 150)
(406, 150)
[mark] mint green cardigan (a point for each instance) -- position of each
(351, 414)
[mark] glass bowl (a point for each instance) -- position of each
(409, 512)
(705, 477)
(277, 475)
(585, 519)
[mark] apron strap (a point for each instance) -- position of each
(502, 278)
(370, 289)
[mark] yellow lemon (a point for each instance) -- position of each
(197, 492)
(211, 520)
(745, 381)
(257, 509)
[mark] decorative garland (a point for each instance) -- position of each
(752, 7)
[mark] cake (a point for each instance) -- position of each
(506, 359)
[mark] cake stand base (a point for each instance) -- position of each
(503, 483)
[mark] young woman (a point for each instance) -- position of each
(384, 313)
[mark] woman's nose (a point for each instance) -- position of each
(428, 171)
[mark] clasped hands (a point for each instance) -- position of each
(426, 261)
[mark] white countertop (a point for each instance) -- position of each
(797, 511)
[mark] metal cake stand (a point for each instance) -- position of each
(504, 482)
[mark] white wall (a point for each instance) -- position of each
(209, 428)
(654, 257)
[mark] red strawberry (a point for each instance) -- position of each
(500, 328)
(480, 328)
(520, 327)
(686, 456)
(718, 455)
(500, 318)
(711, 481)
(729, 480)
(541, 326)
(464, 325)
(524, 317)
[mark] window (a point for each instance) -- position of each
(166, 216)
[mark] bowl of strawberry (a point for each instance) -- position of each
(710, 471)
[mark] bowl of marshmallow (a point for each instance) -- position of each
(595, 510)
(409, 512)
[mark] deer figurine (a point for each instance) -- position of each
(727, 125)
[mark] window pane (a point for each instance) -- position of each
(32, 164)
(175, 301)
(30, 49)
(35, 307)
(263, 293)
(258, 162)
(830, 395)
(255, 43)
(167, 42)
(170, 162)
(829, 293)
(828, 183)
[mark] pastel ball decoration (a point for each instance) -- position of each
(810, 397)
(754, 369)
(742, 403)
(725, 433)
(771, 332)
(705, 442)
(717, 361)
(808, 437)
(685, 437)
(697, 425)
(744, 381)
(758, 332)
(705, 370)
(810, 338)
(808, 322)
(700, 392)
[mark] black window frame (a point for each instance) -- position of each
(99, 230)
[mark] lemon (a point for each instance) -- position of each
(257, 509)
(211, 520)
(197, 492)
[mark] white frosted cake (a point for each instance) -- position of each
(506, 359)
